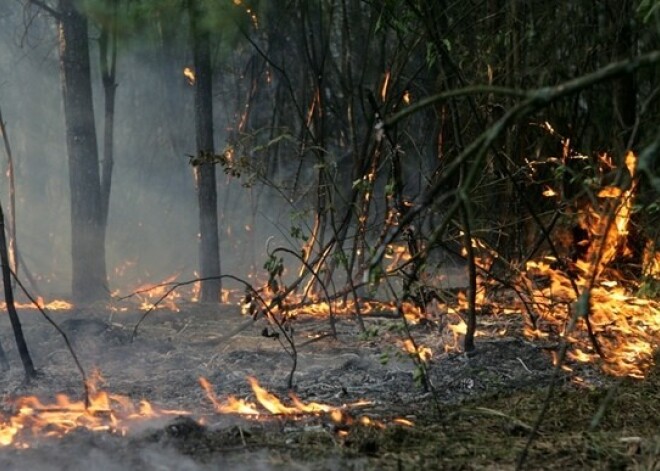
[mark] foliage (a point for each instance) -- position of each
(647, 8)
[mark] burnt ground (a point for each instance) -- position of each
(484, 404)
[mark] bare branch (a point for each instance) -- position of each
(48, 9)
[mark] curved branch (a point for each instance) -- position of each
(444, 96)
(535, 101)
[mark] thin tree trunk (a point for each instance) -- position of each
(108, 60)
(21, 344)
(625, 89)
(209, 251)
(11, 229)
(89, 279)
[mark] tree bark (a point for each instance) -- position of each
(89, 279)
(209, 251)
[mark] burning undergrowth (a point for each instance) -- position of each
(356, 359)
(325, 420)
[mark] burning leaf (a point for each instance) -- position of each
(423, 353)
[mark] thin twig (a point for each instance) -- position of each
(331, 313)
(59, 330)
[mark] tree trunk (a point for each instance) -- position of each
(625, 89)
(21, 344)
(11, 227)
(89, 280)
(209, 252)
(108, 63)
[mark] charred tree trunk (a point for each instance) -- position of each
(89, 279)
(209, 251)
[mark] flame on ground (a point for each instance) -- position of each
(151, 295)
(269, 404)
(424, 354)
(116, 413)
(55, 305)
(107, 412)
(321, 308)
(627, 328)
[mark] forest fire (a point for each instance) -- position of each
(275, 196)
(412, 313)
(117, 414)
(55, 305)
(626, 327)
(624, 334)
(424, 354)
(150, 293)
(269, 404)
(106, 412)
(614, 326)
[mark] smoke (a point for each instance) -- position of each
(153, 222)
(104, 453)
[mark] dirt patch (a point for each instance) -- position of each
(485, 403)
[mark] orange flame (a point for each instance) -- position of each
(107, 412)
(151, 293)
(189, 74)
(423, 353)
(383, 90)
(55, 305)
(549, 192)
(268, 401)
(627, 327)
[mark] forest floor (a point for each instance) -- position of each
(478, 417)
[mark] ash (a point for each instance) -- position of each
(174, 349)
